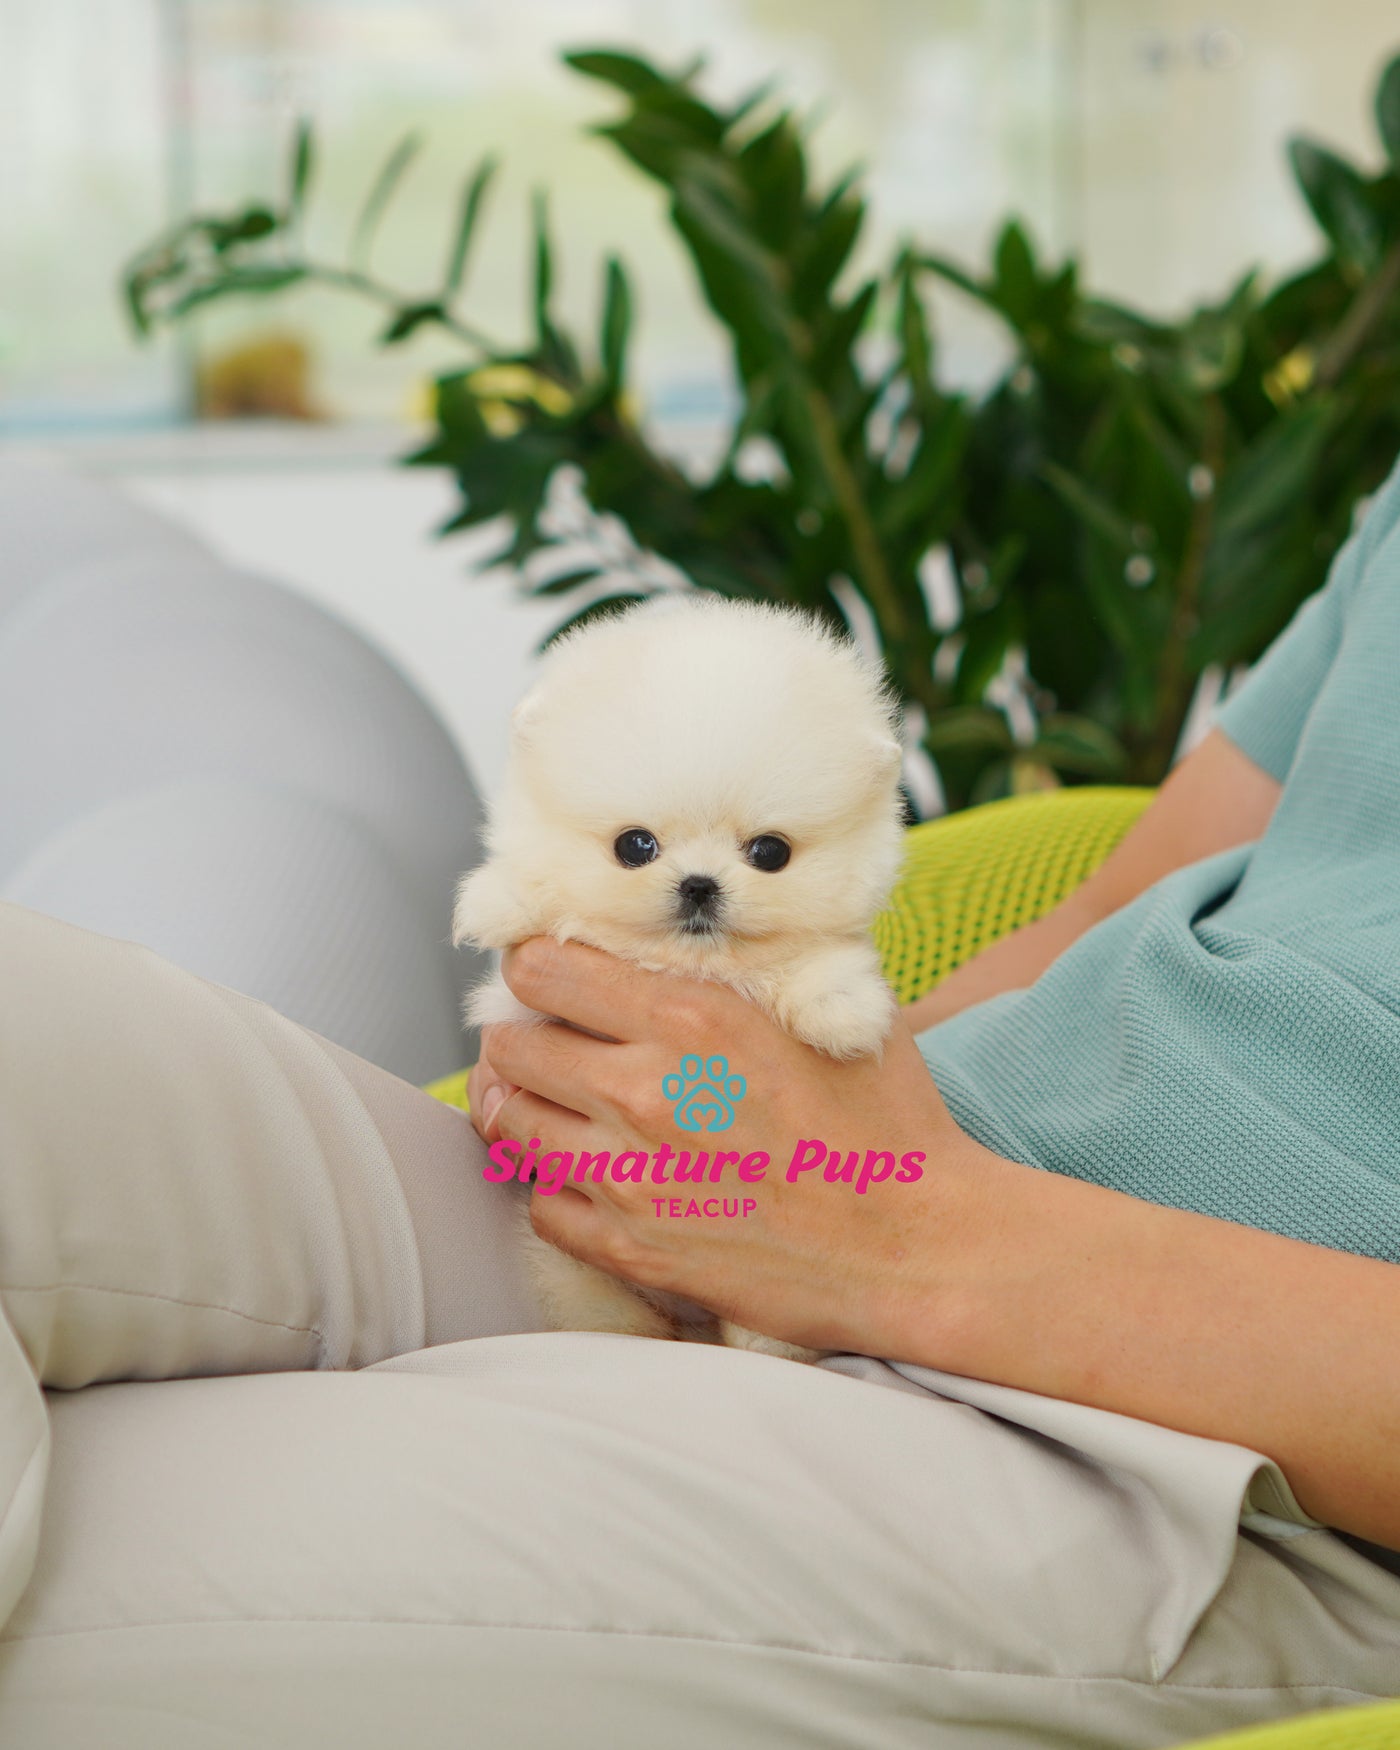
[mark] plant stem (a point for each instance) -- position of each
(869, 557)
(1361, 318)
(353, 280)
(915, 674)
(1169, 705)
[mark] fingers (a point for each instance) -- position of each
(565, 1068)
(525, 1118)
(590, 1229)
(485, 1092)
(604, 995)
(545, 1131)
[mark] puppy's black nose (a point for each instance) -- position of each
(698, 892)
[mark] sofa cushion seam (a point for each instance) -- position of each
(165, 1299)
(13, 1639)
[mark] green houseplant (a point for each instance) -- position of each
(1135, 501)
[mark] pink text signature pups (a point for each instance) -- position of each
(559, 1167)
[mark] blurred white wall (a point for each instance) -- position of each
(1182, 110)
(84, 138)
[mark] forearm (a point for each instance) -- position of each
(1081, 1293)
(1013, 963)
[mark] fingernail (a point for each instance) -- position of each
(491, 1102)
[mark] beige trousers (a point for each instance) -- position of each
(342, 1497)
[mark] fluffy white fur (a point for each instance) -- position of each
(707, 723)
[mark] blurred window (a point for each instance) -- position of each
(1147, 135)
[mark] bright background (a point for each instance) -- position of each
(1147, 136)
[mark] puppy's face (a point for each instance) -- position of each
(656, 864)
(701, 791)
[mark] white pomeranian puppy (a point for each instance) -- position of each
(709, 788)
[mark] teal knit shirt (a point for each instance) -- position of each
(1230, 1041)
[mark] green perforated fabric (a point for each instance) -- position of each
(976, 876)
(1353, 1728)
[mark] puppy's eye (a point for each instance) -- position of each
(768, 852)
(635, 847)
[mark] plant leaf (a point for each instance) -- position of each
(739, 277)
(1388, 111)
(380, 194)
(748, 104)
(920, 500)
(1248, 591)
(627, 73)
(466, 227)
(568, 580)
(606, 605)
(911, 324)
(775, 173)
(253, 223)
(1091, 507)
(1110, 324)
(1016, 282)
(237, 282)
(134, 298)
(1081, 746)
(1338, 196)
(824, 248)
(959, 277)
(835, 337)
(1273, 473)
(985, 641)
(617, 322)
(409, 320)
(964, 728)
(544, 264)
(1212, 347)
(303, 162)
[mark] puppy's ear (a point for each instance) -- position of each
(887, 757)
(525, 714)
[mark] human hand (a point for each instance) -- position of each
(814, 1262)
(485, 1093)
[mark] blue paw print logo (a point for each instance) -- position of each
(705, 1093)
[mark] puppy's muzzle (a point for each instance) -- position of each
(699, 901)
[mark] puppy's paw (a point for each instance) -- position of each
(837, 1001)
(487, 912)
(736, 1337)
(576, 1297)
(492, 1003)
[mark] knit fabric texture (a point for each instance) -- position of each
(1230, 1041)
